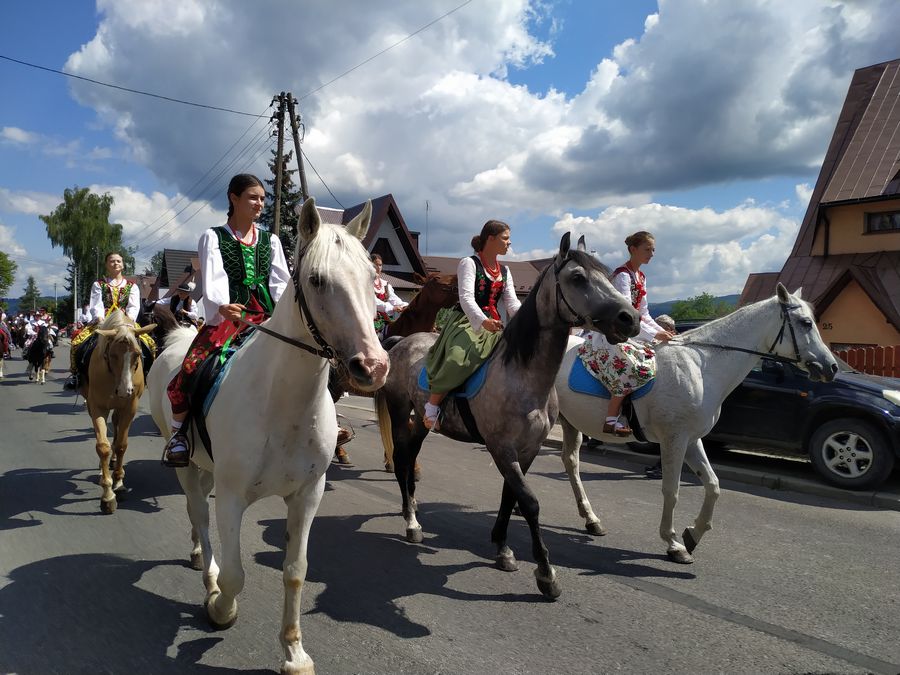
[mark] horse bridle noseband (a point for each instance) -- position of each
(325, 350)
(579, 320)
(785, 321)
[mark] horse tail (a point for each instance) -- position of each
(384, 426)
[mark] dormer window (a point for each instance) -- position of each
(885, 221)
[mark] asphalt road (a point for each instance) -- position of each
(785, 582)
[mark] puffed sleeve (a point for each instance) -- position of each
(279, 275)
(465, 273)
(134, 302)
(215, 280)
(95, 305)
(510, 299)
(394, 299)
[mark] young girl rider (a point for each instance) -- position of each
(243, 268)
(111, 292)
(473, 327)
(624, 367)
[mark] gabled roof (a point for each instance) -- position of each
(863, 158)
(758, 286)
(178, 266)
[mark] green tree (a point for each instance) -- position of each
(155, 264)
(290, 198)
(32, 297)
(8, 269)
(80, 225)
(703, 306)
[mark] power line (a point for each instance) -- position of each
(321, 180)
(386, 49)
(133, 91)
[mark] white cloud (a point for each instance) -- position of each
(804, 193)
(8, 243)
(28, 202)
(18, 136)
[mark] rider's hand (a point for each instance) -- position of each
(665, 335)
(231, 312)
(492, 325)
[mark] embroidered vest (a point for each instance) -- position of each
(114, 297)
(488, 291)
(638, 285)
(247, 267)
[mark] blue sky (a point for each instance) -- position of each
(578, 115)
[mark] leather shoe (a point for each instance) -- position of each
(176, 454)
(344, 436)
(616, 429)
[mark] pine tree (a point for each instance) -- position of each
(31, 299)
(290, 198)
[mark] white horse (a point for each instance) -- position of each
(694, 374)
(272, 425)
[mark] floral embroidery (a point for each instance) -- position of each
(620, 368)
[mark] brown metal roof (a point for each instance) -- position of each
(863, 155)
(758, 286)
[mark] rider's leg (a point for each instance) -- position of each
(176, 452)
(613, 425)
(433, 409)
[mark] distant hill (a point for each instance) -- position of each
(657, 308)
(12, 304)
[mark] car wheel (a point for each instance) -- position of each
(851, 453)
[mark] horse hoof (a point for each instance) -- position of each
(549, 589)
(507, 563)
(212, 622)
(197, 561)
(120, 490)
(305, 669)
(689, 542)
(389, 468)
(596, 528)
(414, 535)
(108, 507)
(680, 557)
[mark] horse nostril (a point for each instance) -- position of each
(625, 319)
(834, 368)
(358, 369)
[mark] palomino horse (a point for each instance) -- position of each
(115, 383)
(40, 355)
(272, 424)
(516, 406)
(694, 374)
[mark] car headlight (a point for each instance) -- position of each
(892, 395)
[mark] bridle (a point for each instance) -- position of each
(324, 350)
(579, 320)
(785, 322)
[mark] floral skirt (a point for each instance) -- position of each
(621, 368)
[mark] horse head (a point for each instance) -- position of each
(121, 351)
(585, 295)
(333, 278)
(798, 337)
(438, 290)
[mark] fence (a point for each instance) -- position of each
(874, 360)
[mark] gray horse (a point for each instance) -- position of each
(516, 406)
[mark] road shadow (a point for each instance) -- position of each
(26, 492)
(86, 613)
(53, 409)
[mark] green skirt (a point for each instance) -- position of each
(458, 353)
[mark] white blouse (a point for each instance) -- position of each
(215, 280)
(393, 301)
(98, 311)
(466, 275)
(649, 327)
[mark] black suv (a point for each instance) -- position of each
(850, 427)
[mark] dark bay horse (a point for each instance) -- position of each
(516, 406)
(438, 291)
(40, 355)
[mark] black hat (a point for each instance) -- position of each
(186, 286)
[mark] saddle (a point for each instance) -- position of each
(84, 351)
(460, 397)
(582, 382)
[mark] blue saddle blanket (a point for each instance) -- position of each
(471, 386)
(582, 382)
(214, 388)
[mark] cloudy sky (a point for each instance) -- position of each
(702, 121)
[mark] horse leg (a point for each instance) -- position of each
(405, 452)
(121, 425)
(197, 486)
(672, 460)
(221, 607)
(514, 477)
(505, 558)
(571, 450)
(699, 463)
(302, 507)
(108, 498)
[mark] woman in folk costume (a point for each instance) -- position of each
(243, 270)
(473, 327)
(624, 367)
(388, 305)
(111, 292)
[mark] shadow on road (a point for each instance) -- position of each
(85, 613)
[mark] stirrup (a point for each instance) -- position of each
(616, 429)
(173, 458)
(432, 423)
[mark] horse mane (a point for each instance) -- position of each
(710, 328)
(522, 332)
(118, 319)
(317, 254)
(115, 319)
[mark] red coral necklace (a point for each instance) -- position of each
(493, 271)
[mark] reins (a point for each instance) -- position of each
(785, 320)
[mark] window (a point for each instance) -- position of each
(383, 248)
(883, 222)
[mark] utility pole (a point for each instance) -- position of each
(75, 294)
(295, 130)
(427, 208)
(279, 115)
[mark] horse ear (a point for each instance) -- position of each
(308, 222)
(106, 332)
(564, 245)
(783, 296)
(145, 329)
(799, 293)
(360, 224)
(581, 244)
(419, 279)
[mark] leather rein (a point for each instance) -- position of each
(785, 321)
